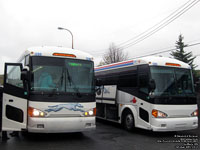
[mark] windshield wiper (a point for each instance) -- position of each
(69, 77)
(74, 85)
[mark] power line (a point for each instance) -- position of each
(168, 50)
(194, 44)
(161, 25)
(155, 24)
(174, 15)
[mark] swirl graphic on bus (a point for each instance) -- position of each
(73, 107)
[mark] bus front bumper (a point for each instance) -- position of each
(61, 125)
(174, 124)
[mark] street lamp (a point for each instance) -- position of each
(60, 28)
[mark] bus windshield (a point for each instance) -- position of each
(59, 75)
(172, 81)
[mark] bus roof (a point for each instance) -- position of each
(151, 60)
(53, 51)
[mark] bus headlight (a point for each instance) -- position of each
(90, 113)
(158, 114)
(195, 113)
(33, 112)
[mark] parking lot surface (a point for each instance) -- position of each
(107, 136)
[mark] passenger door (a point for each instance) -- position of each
(1, 93)
(14, 100)
(143, 108)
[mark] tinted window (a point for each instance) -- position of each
(143, 78)
(128, 80)
(172, 81)
(14, 76)
(62, 75)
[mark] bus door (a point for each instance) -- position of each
(143, 108)
(1, 92)
(14, 101)
(143, 114)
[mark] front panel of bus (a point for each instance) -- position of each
(61, 97)
(173, 102)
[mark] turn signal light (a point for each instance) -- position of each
(33, 112)
(158, 114)
(195, 113)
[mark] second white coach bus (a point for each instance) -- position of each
(153, 93)
(50, 90)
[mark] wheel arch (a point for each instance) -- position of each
(131, 109)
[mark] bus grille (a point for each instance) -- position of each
(63, 115)
(178, 116)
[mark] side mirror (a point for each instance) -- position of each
(98, 90)
(98, 82)
(24, 75)
(152, 85)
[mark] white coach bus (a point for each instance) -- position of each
(153, 93)
(50, 90)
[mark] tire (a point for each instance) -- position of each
(4, 136)
(128, 121)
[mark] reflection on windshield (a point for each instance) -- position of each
(62, 75)
(172, 81)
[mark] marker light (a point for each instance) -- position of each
(32, 112)
(172, 64)
(158, 114)
(65, 55)
(90, 113)
(195, 113)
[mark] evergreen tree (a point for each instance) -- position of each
(181, 55)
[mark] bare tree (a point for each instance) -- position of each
(113, 55)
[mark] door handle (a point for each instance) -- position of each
(11, 100)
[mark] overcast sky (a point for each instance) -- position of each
(95, 24)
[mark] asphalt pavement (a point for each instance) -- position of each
(107, 136)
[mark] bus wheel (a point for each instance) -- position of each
(4, 136)
(128, 121)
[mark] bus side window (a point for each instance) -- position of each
(128, 80)
(112, 80)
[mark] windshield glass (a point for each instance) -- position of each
(172, 81)
(50, 74)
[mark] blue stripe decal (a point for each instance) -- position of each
(116, 66)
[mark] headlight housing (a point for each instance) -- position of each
(33, 112)
(158, 114)
(90, 113)
(195, 113)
